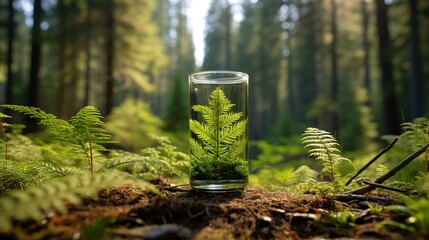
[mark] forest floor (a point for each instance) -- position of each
(131, 213)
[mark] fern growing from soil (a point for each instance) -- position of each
(323, 146)
(45, 175)
(83, 133)
(217, 145)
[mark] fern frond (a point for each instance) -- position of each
(201, 130)
(228, 119)
(123, 159)
(304, 174)
(206, 112)
(219, 102)
(88, 133)
(83, 134)
(19, 175)
(53, 124)
(230, 134)
(161, 160)
(138, 163)
(237, 148)
(196, 148)
(56, 169)
(418, 130)
(32, 112)
(23, 148)
(323, 146)
(87, 124)
(178, 160)
(34, 203)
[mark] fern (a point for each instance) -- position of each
(165, 152)
(138, 164)
(88, 133)
(41, 177)
(323, 146)
(324, 189)
(162, 160)
(19, 170)
(218, 143)
(304, 174)
(19, 175)
(418, 132)
(37, 178)
(3, 127)
(34, 203)
(83, 133)
(56, 169)
(75, 140)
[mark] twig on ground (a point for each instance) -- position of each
(387, 187)
(391, 172)
(372, 161)
(406, 192)
(354, 197)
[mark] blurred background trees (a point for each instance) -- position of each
(356, 68)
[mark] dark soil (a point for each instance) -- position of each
(130, 213)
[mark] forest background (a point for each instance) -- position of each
(356, 68)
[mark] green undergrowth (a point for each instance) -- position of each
(77, 157)
(330, 178)
(37, 176)
(281, 163)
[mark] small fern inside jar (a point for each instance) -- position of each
(218, 131)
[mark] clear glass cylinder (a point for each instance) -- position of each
(218, 130)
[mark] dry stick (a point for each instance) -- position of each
(353, 197)
(391, 172)
(372, 161)
(386, 187)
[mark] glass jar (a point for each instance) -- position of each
(218, 131)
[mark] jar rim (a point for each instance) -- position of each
(218, 76)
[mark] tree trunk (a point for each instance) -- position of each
(365, 46)
(109, 55)
(72, 89)
(416, 86)
(33, 87)
(88, 56)
(61, 60)
(228, 35)
(9, 63)
(334, 72)
(290, 80)
(391, 124)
